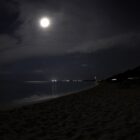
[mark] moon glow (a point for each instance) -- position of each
(44, 22)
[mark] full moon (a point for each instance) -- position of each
(44, 22)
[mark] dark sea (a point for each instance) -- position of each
(17, 92)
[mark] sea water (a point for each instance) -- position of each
(30, 91)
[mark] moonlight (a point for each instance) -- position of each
(44, 22)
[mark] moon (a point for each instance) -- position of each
(44, 22)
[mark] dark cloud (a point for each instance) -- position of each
(9, 14)
(126, 41)
(102, 63)
(7, 43)
(123, 41)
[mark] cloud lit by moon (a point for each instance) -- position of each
(44, 22)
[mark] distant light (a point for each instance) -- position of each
(130, 78)
(95, 78)
(114, 79)
(54, 80)
(45, 22)
(133, 78)
(67, 80)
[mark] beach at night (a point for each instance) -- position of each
(108, 111)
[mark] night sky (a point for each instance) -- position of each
(85, 38)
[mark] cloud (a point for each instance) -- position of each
(75, 28)
(7, 42)
(130, 40)
(122, 40)
(9, 16)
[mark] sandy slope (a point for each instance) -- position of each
(106, 112)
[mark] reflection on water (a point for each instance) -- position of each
(29, 91)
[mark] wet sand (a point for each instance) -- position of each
(106, 112)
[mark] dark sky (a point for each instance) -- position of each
(86, 38)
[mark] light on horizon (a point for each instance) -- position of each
(114, 79)
(54, 80)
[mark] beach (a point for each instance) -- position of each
(106, 112)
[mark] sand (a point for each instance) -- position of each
(107, 112)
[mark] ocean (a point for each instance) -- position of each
(22, 92)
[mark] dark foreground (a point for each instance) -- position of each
(107, 112)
